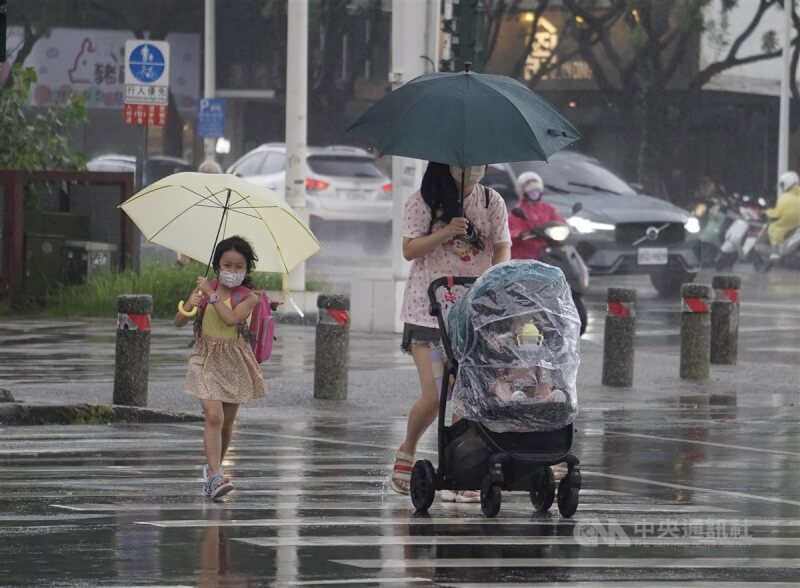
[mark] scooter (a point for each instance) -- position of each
(746, 224)
(765, 256)
(563, 256)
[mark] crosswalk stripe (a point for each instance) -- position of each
(615, 583)
(585, 562)
(465, 520)
(284, 505)
(729, 493)
(357, 581)
(443, 540)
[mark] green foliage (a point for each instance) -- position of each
(689, 15)
(167, 284)
(35, 140)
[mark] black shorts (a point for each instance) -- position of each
(417, 335)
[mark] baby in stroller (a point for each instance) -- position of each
(515, 336)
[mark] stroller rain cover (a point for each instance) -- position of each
(515, 335)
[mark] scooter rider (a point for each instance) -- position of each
(785, 217)
(532, 212)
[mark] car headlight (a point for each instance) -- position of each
(692, 225)
(584, 225)
(557, 233)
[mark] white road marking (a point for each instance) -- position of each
(632, 583)
(586, 562)
(382, 540)
(695, 442)
(476, 519)
(693, 488)
(356, 581)
(284, 505)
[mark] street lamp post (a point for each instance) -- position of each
(296, 121)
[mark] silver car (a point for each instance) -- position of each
(343, 183)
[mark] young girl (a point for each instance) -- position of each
(440, 242)
(223, 372)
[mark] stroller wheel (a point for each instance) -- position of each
(491, 497)
(568, 491)
(423, 485)
(543, 489)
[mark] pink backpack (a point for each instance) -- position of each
(262, 322)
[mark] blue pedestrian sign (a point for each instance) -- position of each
(211, 117)
(146, 63)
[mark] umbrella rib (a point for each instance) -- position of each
(274, 240)
(411, 106)
(518, 112)
(177, 216)
(257, 217)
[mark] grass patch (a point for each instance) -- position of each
(167, 284)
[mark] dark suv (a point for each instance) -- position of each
(614, 228)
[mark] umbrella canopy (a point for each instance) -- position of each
(190, 212)
(465, 119)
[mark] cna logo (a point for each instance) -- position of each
(592, 534)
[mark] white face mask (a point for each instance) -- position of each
(472, 174)
(231, 279)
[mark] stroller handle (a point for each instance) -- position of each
(448, 282)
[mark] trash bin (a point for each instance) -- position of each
(45, 233)
(85, 259)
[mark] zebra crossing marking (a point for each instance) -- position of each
(376, 505)
(449, 540)
(586, 562)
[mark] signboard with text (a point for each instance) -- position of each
(91, 62)
(146, 82)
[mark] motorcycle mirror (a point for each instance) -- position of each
(577, 207)
(519, 213)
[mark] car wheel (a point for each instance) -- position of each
(668, 282)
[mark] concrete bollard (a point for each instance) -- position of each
(695, 331)
(618, 341)
(133, 349)
(725, 319)
(332, 353)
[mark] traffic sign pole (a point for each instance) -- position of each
(210, 69)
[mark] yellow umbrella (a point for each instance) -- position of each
(191, 212)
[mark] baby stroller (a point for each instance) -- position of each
(511, 344)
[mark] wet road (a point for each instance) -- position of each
(672, 496)
(72, 350)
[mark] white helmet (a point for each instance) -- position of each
(529, 182)
(787, 180)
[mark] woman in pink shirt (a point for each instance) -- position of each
(435, 240)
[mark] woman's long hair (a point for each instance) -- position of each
(440, 193)
(240, 245)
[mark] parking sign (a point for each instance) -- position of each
(211, 117)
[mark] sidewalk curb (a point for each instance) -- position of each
(18, 414)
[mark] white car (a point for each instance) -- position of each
(342, 183)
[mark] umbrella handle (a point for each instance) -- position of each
(184, 312)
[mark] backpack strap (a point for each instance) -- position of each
(238, 294)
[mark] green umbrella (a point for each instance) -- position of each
(465, 119)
